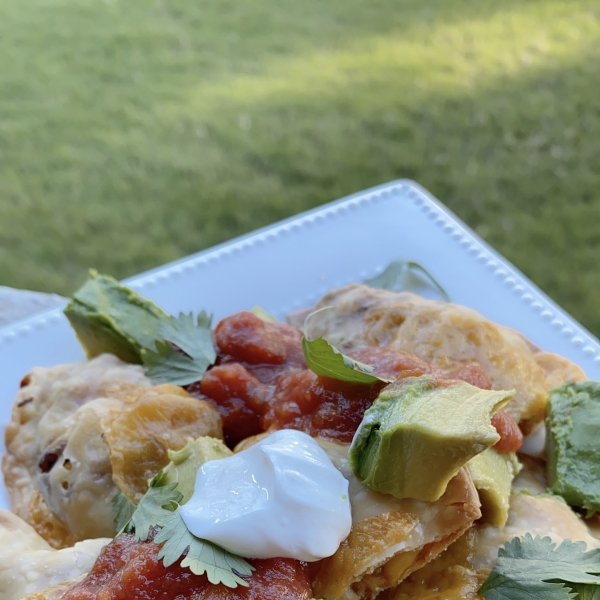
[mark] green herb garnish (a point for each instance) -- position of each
(406, 276)
(110, 317)
(124, 508)
(534, 567)
(158, 510)
(324, 359)
(185, 351)
(202, 557)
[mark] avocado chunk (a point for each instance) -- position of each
(110, 317)
(420, 431)
(492, 475)
(186, 462)
(573, 442)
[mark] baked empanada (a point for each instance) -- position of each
(77, 436)
(459, 572)
(391, 538)
(447, 335)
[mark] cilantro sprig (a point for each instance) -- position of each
(324, 359)
(184, 352)
(124, 508)
(202, 556)
(158, 511)
(405, 275)
(535, 567)
(110, 317)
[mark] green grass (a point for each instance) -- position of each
(134, 132)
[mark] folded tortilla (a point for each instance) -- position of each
(391, 538)
(451, 576)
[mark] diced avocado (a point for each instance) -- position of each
(110, 317)
(185, 463)
(492, 475)
(573, 442)
(420, 432)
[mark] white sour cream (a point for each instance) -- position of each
(280, 498)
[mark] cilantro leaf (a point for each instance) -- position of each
(323, 359)
(185, 351)
(195, 339)
(159, 510)
(587, 592)
(168, 365)
(154, 509)
(534, 567)
(404, 275)
(124, 508)
(202, 557)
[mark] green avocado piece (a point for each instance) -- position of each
(492, 475)
(110, 317)
(573, 442)
(185, 463)
(420, 432)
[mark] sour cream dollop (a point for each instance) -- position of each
(280, 498)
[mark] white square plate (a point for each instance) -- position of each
(291, 264)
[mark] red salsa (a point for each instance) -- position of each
(130, 570)
(261, 383)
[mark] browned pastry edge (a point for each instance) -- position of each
(338, 573)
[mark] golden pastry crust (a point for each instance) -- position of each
(48, 525)
(451, 576)
(56, 419)
(78, 432)
(54, 592)
(460, 571)
(383, 549)
(160, 418)
(447, 335)
(367, 563)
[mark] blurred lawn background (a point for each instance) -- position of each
(134, 132)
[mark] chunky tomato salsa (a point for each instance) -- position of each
(261, 383)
